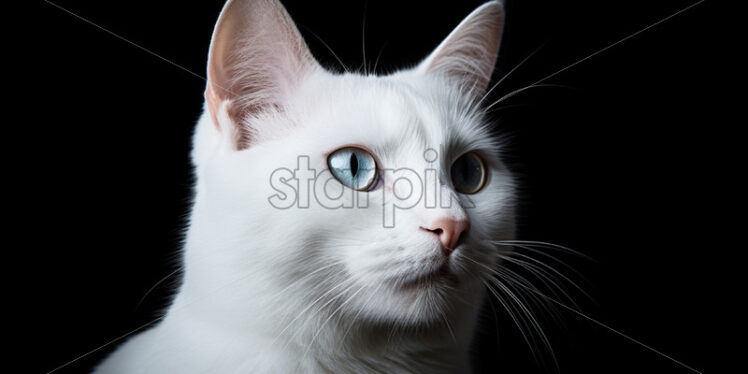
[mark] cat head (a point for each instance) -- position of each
(377, 196)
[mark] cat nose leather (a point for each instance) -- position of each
(449, 232)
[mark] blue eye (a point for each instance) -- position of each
(353, 167)
(468, 173)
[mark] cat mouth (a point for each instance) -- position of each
(442, 275)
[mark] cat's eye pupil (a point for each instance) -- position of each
(468, 173)
(353, 167)
(354, 164)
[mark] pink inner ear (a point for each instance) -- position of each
(257, 58)
(214, 102)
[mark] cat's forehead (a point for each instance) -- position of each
(394, 115)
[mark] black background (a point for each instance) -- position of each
(623, 166)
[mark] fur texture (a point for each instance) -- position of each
(318, 290)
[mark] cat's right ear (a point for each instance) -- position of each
(468, 55)
(257, 58)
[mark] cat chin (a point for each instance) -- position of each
(423, 300)
(441, 277)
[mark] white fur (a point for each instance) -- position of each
(314, 290)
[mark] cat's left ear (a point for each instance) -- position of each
(257, 60)
(468, 55)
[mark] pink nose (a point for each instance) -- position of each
(449, 232)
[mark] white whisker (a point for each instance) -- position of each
(508, 74)
(556, 272)
(552, 257)
(541, 244)
(520, 90)
(533, 321)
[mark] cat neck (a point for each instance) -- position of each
(317, 343)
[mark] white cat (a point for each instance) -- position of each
(361, 278)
